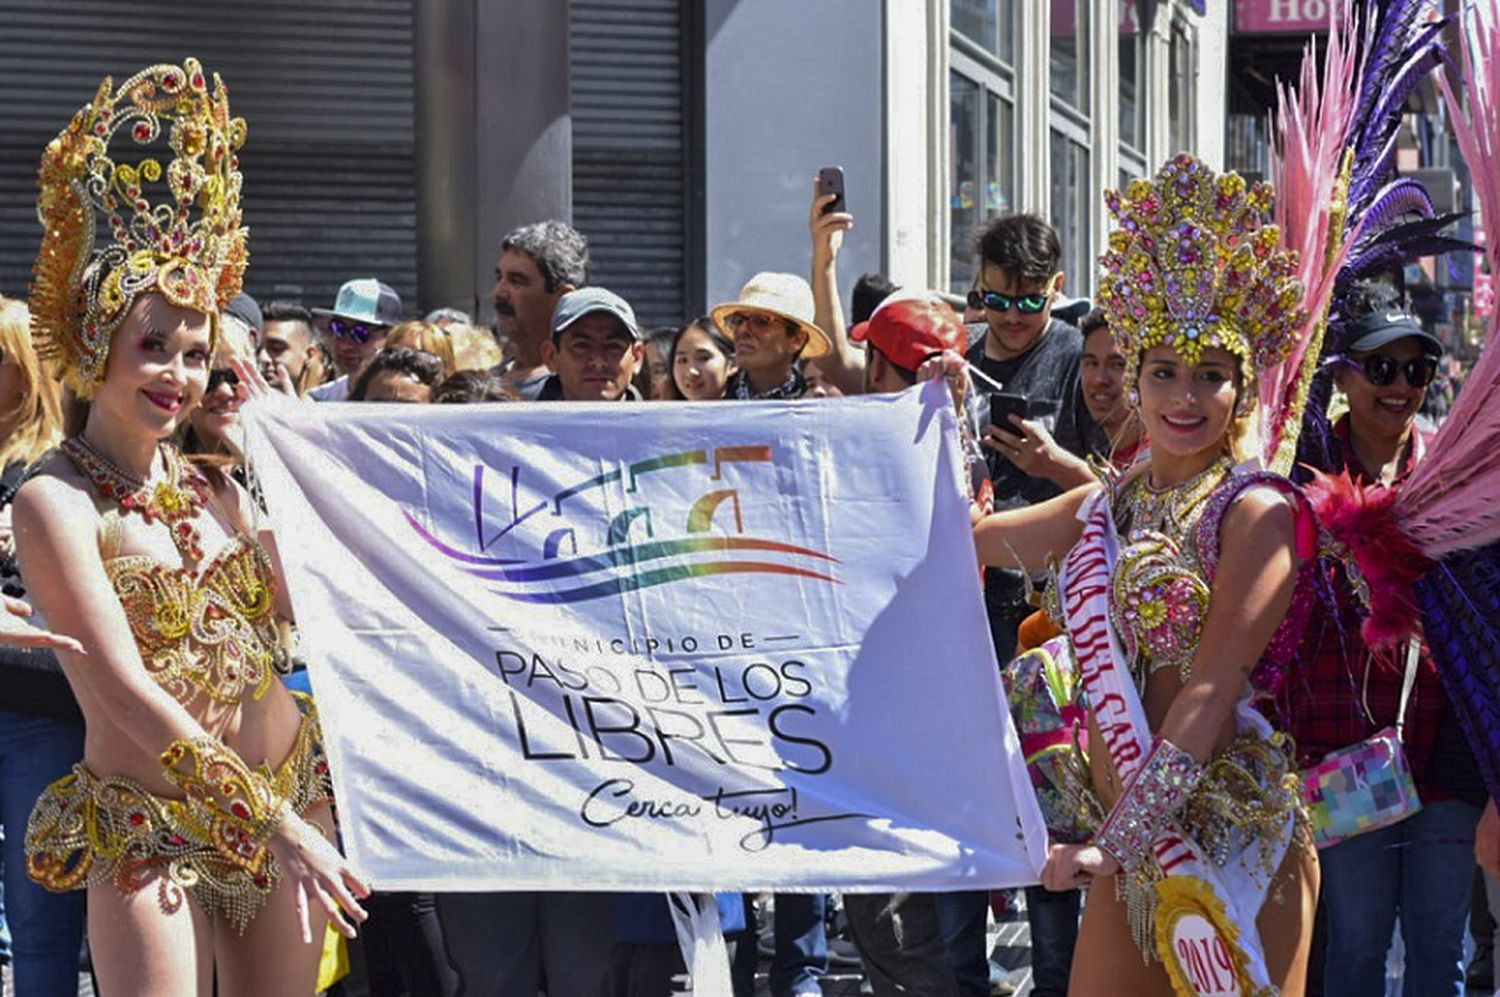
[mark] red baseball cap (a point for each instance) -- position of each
(909, 330)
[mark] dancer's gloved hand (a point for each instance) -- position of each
(1071, 867)
(316, 871)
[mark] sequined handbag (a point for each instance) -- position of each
(1367, 785)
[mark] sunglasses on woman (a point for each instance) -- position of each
(1380, 369)
(1026, 304)
(360, 332)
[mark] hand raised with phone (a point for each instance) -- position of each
(828, 220)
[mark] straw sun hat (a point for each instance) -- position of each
(785, 296)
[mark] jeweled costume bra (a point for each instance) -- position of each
(1170, 541)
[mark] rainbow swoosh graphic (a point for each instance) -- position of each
(633, 557)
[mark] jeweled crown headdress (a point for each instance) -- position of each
(1193, 266)
(191, 248)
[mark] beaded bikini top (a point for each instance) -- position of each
(1159, 594)
(1170, 542)
(209, 628)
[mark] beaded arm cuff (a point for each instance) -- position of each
(238, 807)
(1152, 800)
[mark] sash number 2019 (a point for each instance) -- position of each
(1204, 957)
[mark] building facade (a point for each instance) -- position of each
(402, 138)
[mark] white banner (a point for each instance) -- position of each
(650, 647)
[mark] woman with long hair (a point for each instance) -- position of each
(199, 819)
(702, 362)
(1173, 588)
(41, 731)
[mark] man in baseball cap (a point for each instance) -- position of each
(364, 311)
(903, 333)
(595, 348)
(899, 935)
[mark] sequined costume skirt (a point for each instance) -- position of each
(88, 829)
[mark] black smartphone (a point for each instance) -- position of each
(831, 181)
(1004, 405)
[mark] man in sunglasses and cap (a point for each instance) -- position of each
(364, 311)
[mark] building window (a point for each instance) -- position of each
(1072, 194)
(1068, 63)
(1132, 48)
(1181, 99)
(1071, 205)
(981, 128)
(988, 24)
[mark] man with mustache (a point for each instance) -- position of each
(538, 264)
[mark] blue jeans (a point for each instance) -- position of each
(963, 916)
(801, 944)
(1054, 932)
(46, 928)
(1420, 870)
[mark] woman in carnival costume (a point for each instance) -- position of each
(200, 817)
(1182, 589)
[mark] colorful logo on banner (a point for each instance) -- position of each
(635, 549)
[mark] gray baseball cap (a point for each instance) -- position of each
(576, 304)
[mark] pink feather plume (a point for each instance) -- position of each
(1307, 163)
(1364, 520)
(1451, 502)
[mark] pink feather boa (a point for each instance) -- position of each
(1365, 522)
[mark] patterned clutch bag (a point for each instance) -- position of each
(1363, 787)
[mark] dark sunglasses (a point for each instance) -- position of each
(222, 375)
(1026, 304)
(1381, 369)
(360, 332)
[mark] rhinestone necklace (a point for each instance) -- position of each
(175, 499)
(1172, 509)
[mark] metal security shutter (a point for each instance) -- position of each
(630, 180)
(325, 85)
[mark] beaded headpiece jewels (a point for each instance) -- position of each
(190, 247)
(1192, 266)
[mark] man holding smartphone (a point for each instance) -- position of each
(1035, 359)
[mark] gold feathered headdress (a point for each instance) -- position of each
(190, 247)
